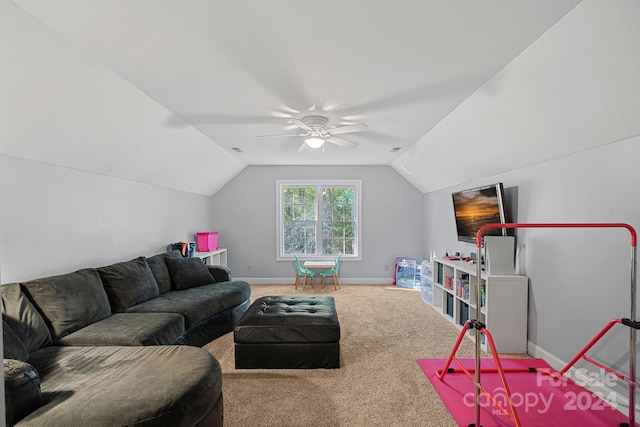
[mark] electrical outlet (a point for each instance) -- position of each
(386, 267)
(249, 267)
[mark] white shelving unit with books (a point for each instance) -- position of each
(504, 301)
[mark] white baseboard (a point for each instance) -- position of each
(536, 351)
(292, 280)
(598, 388)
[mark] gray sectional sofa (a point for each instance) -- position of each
(118, 345)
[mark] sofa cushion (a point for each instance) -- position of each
(197, 304)
(70, 301)
(12, 345)
(188, 272)
(23, 318)
(161, 271)
(128, 283)
(220, 273)
(129, 329)
(125, 386)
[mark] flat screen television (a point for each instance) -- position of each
(476, 207)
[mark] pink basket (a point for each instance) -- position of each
(207, 241)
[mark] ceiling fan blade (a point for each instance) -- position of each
(358, 127)
(342, 142)
(303, 147)
(300, 124)
(278, 136)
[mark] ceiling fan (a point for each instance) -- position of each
(317, 132)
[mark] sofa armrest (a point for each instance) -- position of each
(220, 273)
(22, 394)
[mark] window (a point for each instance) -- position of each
(319, 218)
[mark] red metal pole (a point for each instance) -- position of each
(503, 379)
(632, 331)
(632, 231)
(443, 372)
(590, 344)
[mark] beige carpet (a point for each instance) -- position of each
(384, 330)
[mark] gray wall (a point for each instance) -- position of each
(244, 213)
(54, 220)
(579, 279)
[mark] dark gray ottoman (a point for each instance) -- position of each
(288, 332)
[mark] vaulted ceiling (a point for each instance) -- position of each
(186, 94)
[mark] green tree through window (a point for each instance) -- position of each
(338, 221)
(319, 218)
(300, 215)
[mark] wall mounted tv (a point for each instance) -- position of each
(476, 207)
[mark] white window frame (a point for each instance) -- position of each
(281, 183)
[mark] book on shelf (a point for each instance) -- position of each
(448, 282)
(462, 287)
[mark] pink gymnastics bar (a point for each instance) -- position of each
(631, 322)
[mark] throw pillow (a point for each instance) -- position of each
(12, 346)
(160, 271)
(128, 283)
(70, 301)
(188, 272)
(23, 318)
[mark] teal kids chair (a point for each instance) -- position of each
(304, 273)
(333, 273)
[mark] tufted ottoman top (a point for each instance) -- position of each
(289, 319)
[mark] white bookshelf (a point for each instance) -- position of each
(217, 257)
(504, 306)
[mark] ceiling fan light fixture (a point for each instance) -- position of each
(314, 142)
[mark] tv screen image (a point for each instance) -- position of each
(476, 207)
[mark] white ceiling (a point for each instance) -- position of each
(186, 82)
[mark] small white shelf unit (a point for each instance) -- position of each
(217, 257)
(504, 302)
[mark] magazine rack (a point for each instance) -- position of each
(480, 328)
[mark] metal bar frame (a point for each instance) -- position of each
(513, 415)
(632, 331)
